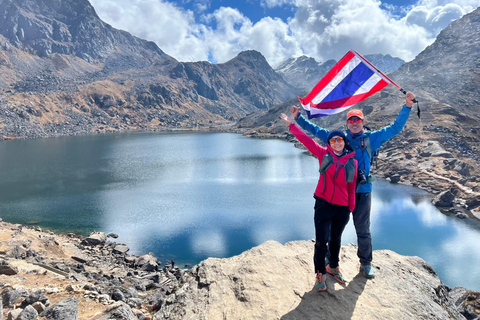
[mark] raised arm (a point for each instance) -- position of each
(377, 138)
(315, 130)
(312, 146)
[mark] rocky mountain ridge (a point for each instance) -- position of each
(64, 71)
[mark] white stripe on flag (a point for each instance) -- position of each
(355, 61)
(369, 84)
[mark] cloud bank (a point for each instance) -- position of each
(323, 30)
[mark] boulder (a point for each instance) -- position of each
(119, 311)
(121, 249)
(64, 310)
(29, 313)
(7, 269)
(444, 199)
(95, 238)
(275, 281)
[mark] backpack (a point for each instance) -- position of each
(328, 160)
(365, 144)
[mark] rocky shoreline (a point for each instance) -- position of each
(66, 277)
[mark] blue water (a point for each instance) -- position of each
(189, 196)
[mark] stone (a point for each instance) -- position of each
(275, 281)
(14, 314)
(147, 262)
(444, 199)
(395, 178)
(10, 297)
(29, 313)
(40, 307)
(36, 296)
(64, 310)
(7, 269)
(95, 238)
(119, 311)
(121, 249)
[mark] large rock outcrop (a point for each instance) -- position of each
(275, 281)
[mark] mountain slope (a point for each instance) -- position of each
(65, 71)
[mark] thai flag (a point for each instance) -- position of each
(350, 81)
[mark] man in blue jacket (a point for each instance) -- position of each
(358, 138)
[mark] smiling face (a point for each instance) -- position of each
(337, 144)
(355, 124)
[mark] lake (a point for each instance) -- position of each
(189, 196)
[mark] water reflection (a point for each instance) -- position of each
(187, 197)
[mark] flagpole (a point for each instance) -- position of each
(383, 75)
(391, 81)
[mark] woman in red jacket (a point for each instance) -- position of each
(334, 198)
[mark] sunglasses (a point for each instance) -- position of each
(354, 120)
(333, 140)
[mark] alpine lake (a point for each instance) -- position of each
(189, 196)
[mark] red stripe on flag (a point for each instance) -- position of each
(349, 101)
(327, 78)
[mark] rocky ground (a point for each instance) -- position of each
(52, 276)
(64, 277)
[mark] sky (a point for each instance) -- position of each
(218, 30)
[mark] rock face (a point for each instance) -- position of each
(275, 281)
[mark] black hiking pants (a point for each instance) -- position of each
(330, 221)
(361, 221)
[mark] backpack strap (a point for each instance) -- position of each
(328, 160)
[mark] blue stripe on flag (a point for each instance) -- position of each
(351, 83)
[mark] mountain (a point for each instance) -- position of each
(449, 69)
(305, 72)
(64, 71)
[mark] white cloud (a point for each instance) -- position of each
(173, 29)
(328, 29)
(276, 3)
(321, 29)
(235, 33)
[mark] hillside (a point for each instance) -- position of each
(64, 71)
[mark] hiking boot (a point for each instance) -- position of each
(368, 271)
(321, 282)
(337, 274)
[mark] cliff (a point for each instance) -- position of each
(64, 277)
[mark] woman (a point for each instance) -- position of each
(334, 198)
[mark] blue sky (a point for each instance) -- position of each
(217, 30)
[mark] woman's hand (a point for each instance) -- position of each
(285, 119)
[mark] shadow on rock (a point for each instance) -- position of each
(331, 304)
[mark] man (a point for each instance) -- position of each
(358, 141)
